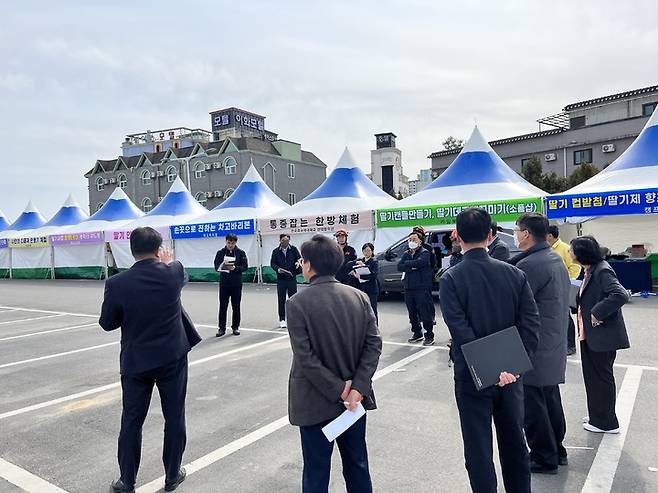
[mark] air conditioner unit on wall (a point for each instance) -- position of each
(160, 173)
(152, 174)
(106, 181)
(159, 199)
(209, 195)
(208, 166)
(218, 193)
(608, 148)
(217, 165)
(551, 156)
(113, 180)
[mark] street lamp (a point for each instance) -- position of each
(186, 160)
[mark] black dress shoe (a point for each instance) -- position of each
(220, 332)
(537, 468)
(563, 461)
(236, 332)
(415, 337)
(171, 485)
(119, 486)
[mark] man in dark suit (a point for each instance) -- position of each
(156, 335)
(545, 425)
(498, 249)
(285, 262)
(230, 282)
(336, 347)
(481, 296)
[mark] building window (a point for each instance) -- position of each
(201, 198)
(269, 173)
(158, 148)
(147, 204)
(171, 174)
(100, 184)
(122, 180)
(577, 122)
(524, 162)
(146, 177)
(291, 170)
(99, 206)
(228, 193)
(292, 199)
(199, 171)
(230, 166)
(582, 156)
(648, 109)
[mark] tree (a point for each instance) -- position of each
(451, 144)
(553, 183)
(399, 196)
(391, 192)
(532, 171)
(584, 172)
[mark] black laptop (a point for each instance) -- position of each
(488, 356)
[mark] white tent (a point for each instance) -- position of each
(345, 200)
(29, 219)
(3, 221)
(33, 259)
(80, 251)
(477, 177)
(621, 200)
(177, 206)
(197, 241)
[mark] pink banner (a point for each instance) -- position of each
(77, 238)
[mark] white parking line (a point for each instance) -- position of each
(25, 480)
(602, 473)
(103, 388)
(34, 310)
(260, 433)
(58, 355)
(62, 329)
(29, 319)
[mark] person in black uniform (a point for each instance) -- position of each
(285, 262)
(481, 296)
(349, 255)
(368, 282)
(156, 335)
(498, 249)
(417, 282)
(230, 282)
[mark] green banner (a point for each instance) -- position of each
(444, 214)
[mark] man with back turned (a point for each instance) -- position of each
(156, 335)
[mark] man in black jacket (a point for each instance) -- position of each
(545, 425)
(156, 335)
(417, 281)
(285, 262)
(498, 249)
(349, 256)
(481, 296)
(231, 262)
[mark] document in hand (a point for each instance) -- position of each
(489, 356)
(362, 271)
(227, 260)
(342, 423)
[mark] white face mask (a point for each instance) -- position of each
(412, 245)
(516, 241)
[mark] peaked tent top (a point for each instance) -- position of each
(178, 202)
(70, 213)
(30, 218)
(3, 221)
(252, 193)
(117, 208)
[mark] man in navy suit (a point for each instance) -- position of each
(156, 335)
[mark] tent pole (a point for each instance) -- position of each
(52, 262)
(259, 244)
(11, 254)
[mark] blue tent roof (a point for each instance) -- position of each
(31, 218)
(252, 193)
(3, 221)
(177, 202)
(477, 163)
(347, 180)
(117, 208)
(70, 213)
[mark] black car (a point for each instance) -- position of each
(390, 279)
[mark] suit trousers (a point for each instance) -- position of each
(285, 288)
(171, 381)
(545, 425)
(234, 294)
(600, 386)
(373, 303)
(476, 410)
(420, 306)
(317, 450)
(571, 334)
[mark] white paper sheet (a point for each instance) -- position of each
(227, 260)
(342, 423)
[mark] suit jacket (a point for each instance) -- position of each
(481, 296)
(603, 296)
(233, 278)
(334, 338)
(417, 268)
(145, 301)
(499, 250)
(549, 281)
(371, 286)
(287, 262)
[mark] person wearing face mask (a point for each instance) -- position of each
(368, 282)
(498, 249)
(349, 255)
(285, 262)
(417, 282)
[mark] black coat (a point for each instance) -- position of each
(481, 296)
(233, 278)
(145, 301)
(288, 262)
(434, 263)
(343, 274)
(603, 296)
(499, 250)
(334, 338)
(549, 281)
(417, 270)
(371, 286)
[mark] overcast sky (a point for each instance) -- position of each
(75, 77)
